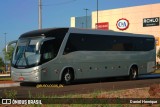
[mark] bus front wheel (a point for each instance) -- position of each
(133, 75)
(67, 76)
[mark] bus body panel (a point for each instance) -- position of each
(106, 64)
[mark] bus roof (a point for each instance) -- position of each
(48, 32)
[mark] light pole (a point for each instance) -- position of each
(40, 14)
(82, 24)
(5, 50)
(97, 11)
(86, 16)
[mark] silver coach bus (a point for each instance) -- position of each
(67, 54)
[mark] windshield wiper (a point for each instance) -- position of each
(18, 59)
(25, 59)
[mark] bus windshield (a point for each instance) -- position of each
(25, 54)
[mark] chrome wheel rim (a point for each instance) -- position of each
(67, 77)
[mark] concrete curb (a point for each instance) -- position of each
(3, 75)
(9, 85)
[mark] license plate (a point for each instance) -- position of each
(21, 78)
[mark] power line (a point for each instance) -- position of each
(86, 16)
(61, 3)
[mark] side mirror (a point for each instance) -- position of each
(10, 43)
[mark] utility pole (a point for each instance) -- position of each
(40, 14)
(5, 51)
(97, 11)
(86, 16)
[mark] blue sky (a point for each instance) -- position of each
(19, 16)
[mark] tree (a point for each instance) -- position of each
(158, 56)
(158, 53)
(8, 55)
(1, 62)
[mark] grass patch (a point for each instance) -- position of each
(10, 93)
(6, 79)
(129, 93)
(143, 93)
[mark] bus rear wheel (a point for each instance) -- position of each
(67, 76)
(133, 75)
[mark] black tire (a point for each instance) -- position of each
(133, 75)
(67, 77)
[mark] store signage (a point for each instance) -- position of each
(151, 22)
(122, 24)
(102, 25)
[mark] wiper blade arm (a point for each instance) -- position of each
(18, 59)
(25, 58)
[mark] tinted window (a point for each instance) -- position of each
(49, 50)
(89, 42)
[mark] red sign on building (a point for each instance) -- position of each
(102, 25)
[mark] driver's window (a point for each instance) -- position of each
(47, 50)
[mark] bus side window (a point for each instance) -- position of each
(69, 48)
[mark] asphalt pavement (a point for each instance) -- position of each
(15, 84)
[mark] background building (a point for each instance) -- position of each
(81, 22)
(142, 19)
